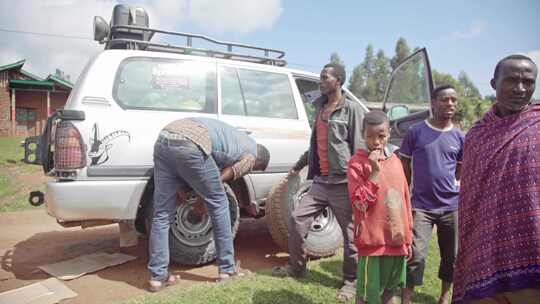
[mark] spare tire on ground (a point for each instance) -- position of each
(191, 238)
(324, 236)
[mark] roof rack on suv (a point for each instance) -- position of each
(129, 29)
(268, 56)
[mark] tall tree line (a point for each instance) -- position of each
(370, 77)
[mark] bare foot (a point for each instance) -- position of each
(156, 285)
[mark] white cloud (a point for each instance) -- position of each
(241, 16)
(474, 31)
(44, 54)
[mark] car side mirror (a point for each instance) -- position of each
(398, 111)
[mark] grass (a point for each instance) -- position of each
(320, 286)
(11, 166)
(18, 202)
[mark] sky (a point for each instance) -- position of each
(460, 35)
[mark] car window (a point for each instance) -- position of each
(256, 93)
(232, 101)
(409, 84)
(160, 84)
(309, 90)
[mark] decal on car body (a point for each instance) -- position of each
(99, 147)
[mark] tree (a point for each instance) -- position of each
(356, 81)
(361, 83)
(471, 105)
(58, 73)
(381, 74)
(402, 52)
(334, 58)
(470, 90)
(368, 64)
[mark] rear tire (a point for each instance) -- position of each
(191, 238)
(324, 236)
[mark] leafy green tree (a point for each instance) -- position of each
(471, 105)
(356, 81)
(334, 58)
(369, 62)
(469, 89)
(361, 83)
(381, 74)
(402, 52)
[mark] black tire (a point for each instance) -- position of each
(324, 237)
(191, 238)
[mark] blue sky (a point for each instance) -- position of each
(468, 36)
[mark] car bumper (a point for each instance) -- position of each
(94, 200)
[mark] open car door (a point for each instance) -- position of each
(408, 94)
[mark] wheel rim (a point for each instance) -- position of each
(322, 221)
(190, 229)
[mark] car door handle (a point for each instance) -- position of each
(247, 131)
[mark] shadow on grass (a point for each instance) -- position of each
(333, 267)
(420, 297)
(327, 274)
(279, 296)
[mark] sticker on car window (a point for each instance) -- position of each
(170, 76)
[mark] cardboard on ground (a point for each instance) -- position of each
(79, 266)
(49, 291)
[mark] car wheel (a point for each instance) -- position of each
(191, 238)
(324, 236)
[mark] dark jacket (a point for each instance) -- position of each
(344, 139)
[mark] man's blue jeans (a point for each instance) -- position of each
(178, 165)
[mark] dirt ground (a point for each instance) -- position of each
(32, 238)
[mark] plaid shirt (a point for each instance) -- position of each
(198, 134)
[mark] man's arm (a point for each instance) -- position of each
(406, 162)
(458, 171)
(238, 169)
(356, 140)
(300, 163)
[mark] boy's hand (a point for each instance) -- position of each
(374, 157)
(409, 253)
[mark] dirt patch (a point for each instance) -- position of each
(32, 238)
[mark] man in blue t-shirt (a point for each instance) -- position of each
(435, 148)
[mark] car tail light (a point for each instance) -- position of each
(69, 149)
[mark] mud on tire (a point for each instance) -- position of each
(191, 238)
(324, 237)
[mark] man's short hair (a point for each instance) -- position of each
(339, 71)
(263, 157)
(375, 118)
(499, 65)
(435, 93)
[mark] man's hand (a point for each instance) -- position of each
(227, 174)
(182, 197)
(199, 208)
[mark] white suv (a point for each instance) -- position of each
(99, 147)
